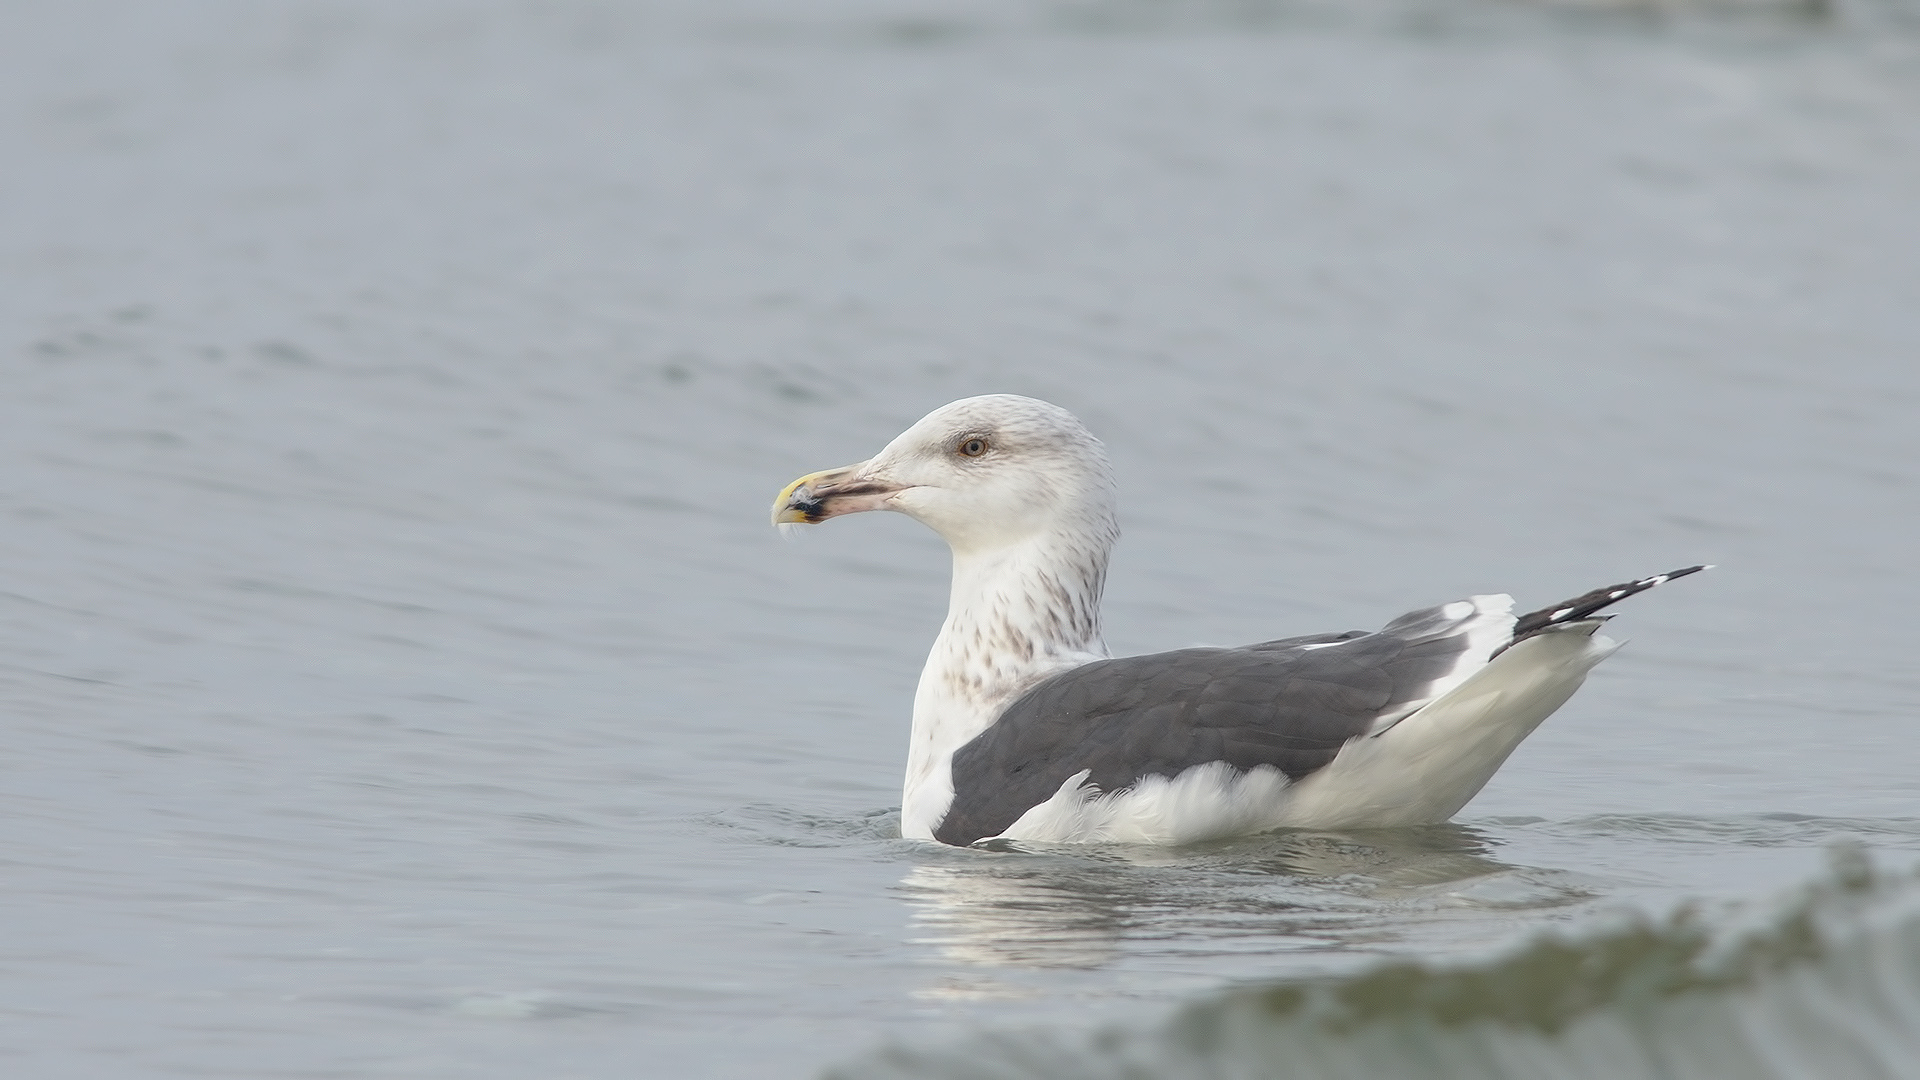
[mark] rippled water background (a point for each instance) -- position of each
(400, 678)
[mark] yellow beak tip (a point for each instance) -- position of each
(784, 512)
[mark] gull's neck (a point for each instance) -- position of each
(1018, 613)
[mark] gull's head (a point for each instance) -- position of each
(982, 472)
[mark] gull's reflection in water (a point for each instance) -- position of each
(1087, 907)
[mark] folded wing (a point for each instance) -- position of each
(1288, 704)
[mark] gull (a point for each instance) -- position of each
(1025, 728)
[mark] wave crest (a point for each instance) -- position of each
(1824, 983)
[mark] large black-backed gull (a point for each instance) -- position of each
(1025, 729)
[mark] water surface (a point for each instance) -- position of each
(401, 679)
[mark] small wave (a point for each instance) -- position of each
(781, 826)
(1824, 984)
(1759, 830)
(1137, 16)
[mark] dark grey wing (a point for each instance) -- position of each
(1289, 704)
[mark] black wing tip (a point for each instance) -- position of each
(1662, 579)
(1584, 607)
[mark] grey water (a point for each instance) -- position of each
(400, 679)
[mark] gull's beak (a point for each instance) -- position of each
(816, 497)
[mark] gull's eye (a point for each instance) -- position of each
(973, 446)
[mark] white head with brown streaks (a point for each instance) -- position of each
(1024, 495)
(983, 472)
